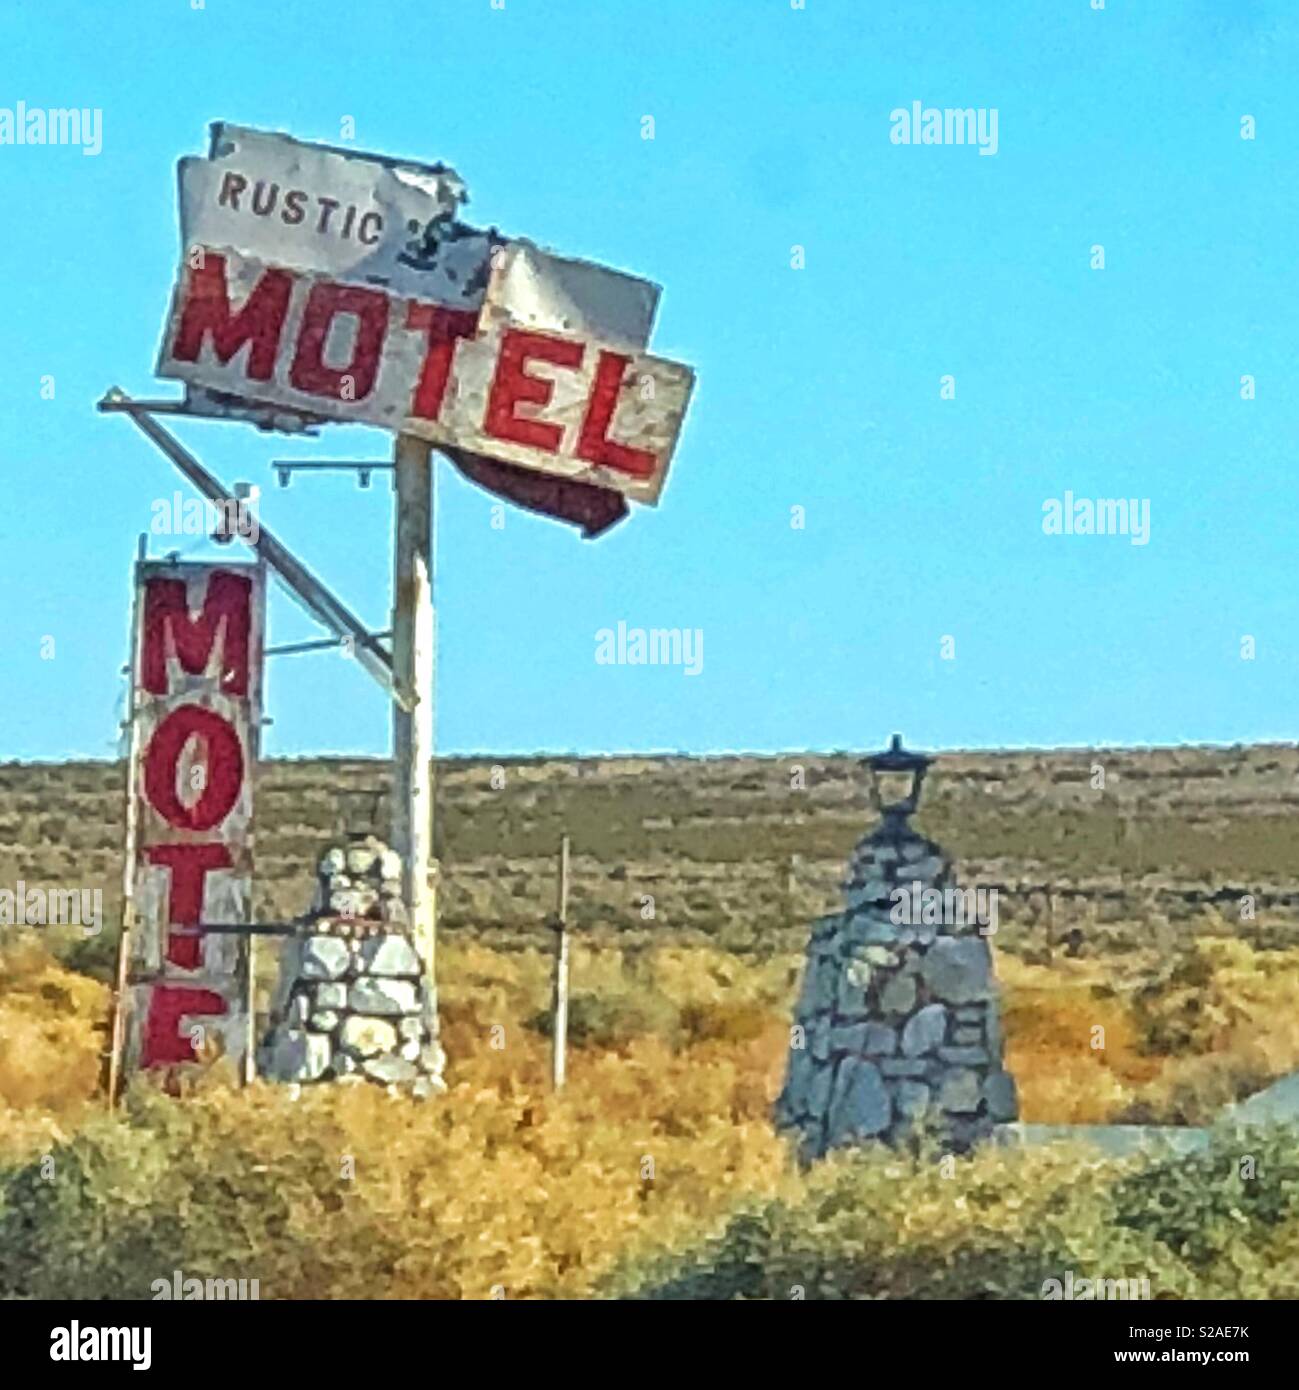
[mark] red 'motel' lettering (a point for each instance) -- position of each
(163, 1043)
(225, 768)
(228, 600)
(355, 381)
(512, 385)
(190, 866)
(443, 328)
(207, 311)
(594, 444)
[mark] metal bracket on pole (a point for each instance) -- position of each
(286, 468)
(305, 587)
(319, 644)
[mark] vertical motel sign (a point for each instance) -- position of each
(196, 692)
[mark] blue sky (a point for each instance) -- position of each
(817, 387)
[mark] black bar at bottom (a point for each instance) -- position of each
(237, 929)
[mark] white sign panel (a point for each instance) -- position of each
(353, 217)
(531, 384)
(321, 284)
(197, 698)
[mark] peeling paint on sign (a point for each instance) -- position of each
(197, 701)
(351, 216)
(322, 284)
(537, 289)
(518, 390)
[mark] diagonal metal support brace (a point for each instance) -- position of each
(295, 576)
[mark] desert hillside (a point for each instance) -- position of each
(744, 850)
(657, 1172)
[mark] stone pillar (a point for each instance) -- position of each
(898, 1009)
(352, 997)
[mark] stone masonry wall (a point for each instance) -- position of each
(353, 1001)
(899, 1019)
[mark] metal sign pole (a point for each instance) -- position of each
(412, 670)
(122, 971)
(249, 961)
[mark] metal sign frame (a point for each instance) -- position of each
(406, 672)
(172, 682)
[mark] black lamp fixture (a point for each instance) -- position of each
(896, 776)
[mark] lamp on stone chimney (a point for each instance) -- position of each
(359, 810)
(896, 776)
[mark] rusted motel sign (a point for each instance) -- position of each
(195, 684)
(345, 287)
(320, 285)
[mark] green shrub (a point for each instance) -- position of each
(95, 956)
(738, 1022)
(1181, 1010)
(125, 1203)
(1201, 1208)
(875, 1225)
(615, 1019)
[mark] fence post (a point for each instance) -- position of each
(559, 1032)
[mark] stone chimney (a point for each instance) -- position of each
(898, 1017)
(353, 1001)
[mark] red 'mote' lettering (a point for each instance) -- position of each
(169, 630)
(513, 385)
(354, 382)
(198, 636)
(206, 313)
(163, 1043)
(443, 329)
(190, 866)
(225, 768)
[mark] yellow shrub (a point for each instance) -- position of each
(52, 1031)
(661, 1141)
